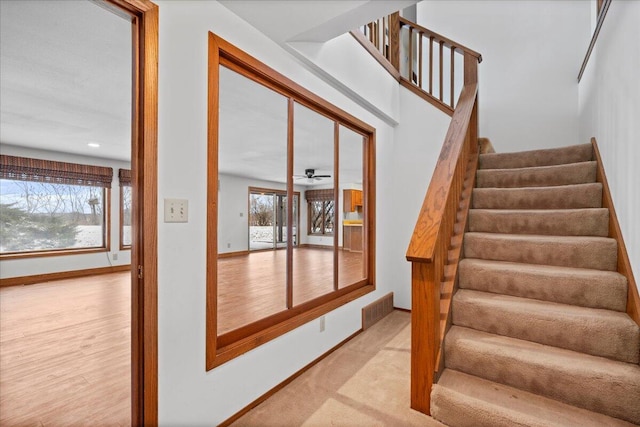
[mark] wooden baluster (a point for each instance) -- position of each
(394, 40)
(451, 100)
(430, 65)
(441, 68)
(420, 60)
(410, 53)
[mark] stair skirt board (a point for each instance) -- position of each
(539, 331)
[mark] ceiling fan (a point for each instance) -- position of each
(310, 174)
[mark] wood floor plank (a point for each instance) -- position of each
(65, 345)
(253, 286)
(65, 355)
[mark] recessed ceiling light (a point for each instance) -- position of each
(93, 145)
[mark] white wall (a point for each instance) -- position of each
(188, 395)
(532, 51)
(610, 111)
(55, 264)
(416, 147)
(366, 81)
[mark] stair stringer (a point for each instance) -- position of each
(624, 264)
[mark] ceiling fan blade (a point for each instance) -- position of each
(322, 176)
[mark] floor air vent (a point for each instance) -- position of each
(377, 310)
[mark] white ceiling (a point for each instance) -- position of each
(65, 77)
(65, 81)
(311, 21)
(253, 136)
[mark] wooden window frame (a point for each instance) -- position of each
(53, 179)
(324, 221)
(123, 246)
(124, 176)
(220, 349)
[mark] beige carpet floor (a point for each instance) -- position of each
(364, 383)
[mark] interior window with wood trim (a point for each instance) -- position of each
(283, 143)
(50, 207)
(124, 176)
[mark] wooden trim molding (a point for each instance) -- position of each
(49, 277)
(144, 167)
(222, 348)
(237, 253)
(427, 96)
(624, 264)
(376, 54)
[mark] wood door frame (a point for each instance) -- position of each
(143, 15)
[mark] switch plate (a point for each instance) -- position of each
(176, 210)
(322, 324)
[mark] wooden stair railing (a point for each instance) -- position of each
(423, 61)
(440, 71)
(436, 243)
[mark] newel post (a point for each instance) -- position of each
(425, 333)
(471, 77)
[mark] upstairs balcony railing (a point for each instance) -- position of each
(422, 60)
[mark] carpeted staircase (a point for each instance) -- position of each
(539, 333)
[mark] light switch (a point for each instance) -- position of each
(176, 210)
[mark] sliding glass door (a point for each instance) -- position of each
(268, 219)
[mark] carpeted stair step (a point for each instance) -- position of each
(556, 222)
(541, 176)
(590, 382)
(599, 253)
(464, 400)
(578, 286)
(533, 158)
(574, 196)
(592, 331)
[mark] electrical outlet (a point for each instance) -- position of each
(228, 245)
(322, 323)
(115, 256)
(176, 210)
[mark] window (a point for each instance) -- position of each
(321, 212)
(124, 176)
(48, 206)
(266, 131)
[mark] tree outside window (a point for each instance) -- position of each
(47, 205)
(321, 217)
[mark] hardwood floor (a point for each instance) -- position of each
(252, 287)
(65, 346)
(65, 354)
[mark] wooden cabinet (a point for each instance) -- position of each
(352, 238)
(352, 200)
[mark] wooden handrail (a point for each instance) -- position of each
(382, 39)
(436, 244)
(440, 38)
(427, 229)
